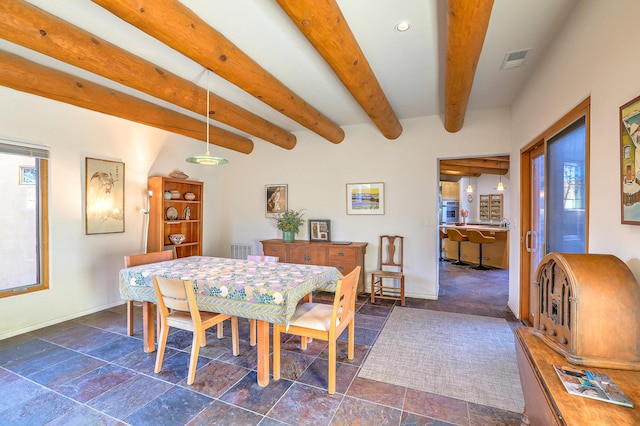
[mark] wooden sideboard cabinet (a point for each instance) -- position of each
(548, 403)
(345, 257)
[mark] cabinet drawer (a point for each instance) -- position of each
(341, 254)
(344, 267)
(279, 250)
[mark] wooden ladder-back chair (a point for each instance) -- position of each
(253, 325)
(178, 308)
(143, 259)
(390, 267)
(324, 322)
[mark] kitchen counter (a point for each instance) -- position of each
(495, 254)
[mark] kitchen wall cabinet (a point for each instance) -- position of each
(491, 207)
(345, 257)
(175, 216)
(450, 191)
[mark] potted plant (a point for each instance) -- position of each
(289, 223)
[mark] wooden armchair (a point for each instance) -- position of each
(324, 322)
(177, 307)
(143, 259)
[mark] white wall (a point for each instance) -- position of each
(84, 269)
(594, 57)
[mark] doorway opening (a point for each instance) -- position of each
(478, 185)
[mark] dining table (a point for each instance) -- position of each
(265, 291)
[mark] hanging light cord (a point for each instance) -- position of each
(208, 106)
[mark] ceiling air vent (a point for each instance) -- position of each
(514, 59)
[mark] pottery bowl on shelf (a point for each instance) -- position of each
(189, 196)
(176, 238)
(175, 194)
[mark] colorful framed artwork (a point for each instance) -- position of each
(630, 162)
(365, 198)
(275, 199)
(104, 196)
(319, 230)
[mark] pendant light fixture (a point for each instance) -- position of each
(207, 159)
(469, 187)
(500, 186)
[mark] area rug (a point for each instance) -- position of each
(466, 357)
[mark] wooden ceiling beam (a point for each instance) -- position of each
(496, 165)
(27, 76)
(466, 29)
(33, 28)
(465, 171)
(323, 24)
(181, 29)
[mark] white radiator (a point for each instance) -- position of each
(241, 250)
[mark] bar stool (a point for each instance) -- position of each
(455, 235)
(479, 238)
(443, 236)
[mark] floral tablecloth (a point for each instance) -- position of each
(259, 290)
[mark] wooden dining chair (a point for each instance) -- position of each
(178, 308)
(143, 259)
(390, 267)
(253, 325)
(324, 322)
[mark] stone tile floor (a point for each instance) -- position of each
(87, 371)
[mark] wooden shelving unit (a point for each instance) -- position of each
(491, 207)
(161, 225)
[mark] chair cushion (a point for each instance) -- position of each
(316, 316)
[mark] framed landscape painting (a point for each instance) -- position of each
(365, 198)
(104, 196)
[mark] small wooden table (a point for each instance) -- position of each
(548, 403)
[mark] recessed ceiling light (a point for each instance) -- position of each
(402, 26)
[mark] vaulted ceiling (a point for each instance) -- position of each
(277, 67)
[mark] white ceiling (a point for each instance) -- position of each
(409, 66)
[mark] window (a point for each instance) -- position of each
(24, 256)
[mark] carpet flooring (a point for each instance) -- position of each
(467, 357)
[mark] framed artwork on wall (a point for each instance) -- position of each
(275, 199)
(104, 196)
(365, 198)
(630, 162)
(319, 230)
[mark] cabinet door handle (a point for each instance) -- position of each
(340, 254)
(527, 241)
(275, 249)
(341, 268)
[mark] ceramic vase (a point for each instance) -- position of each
(288, 236)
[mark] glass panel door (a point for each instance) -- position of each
(566, 156)
(534, 243)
